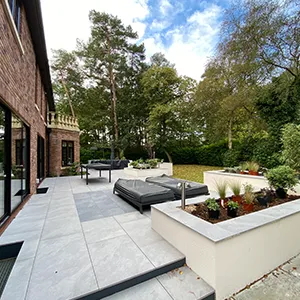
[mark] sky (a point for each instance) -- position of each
(185, 31)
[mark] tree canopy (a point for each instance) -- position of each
(250, 88)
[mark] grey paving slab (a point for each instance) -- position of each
(57, 210)
(128, 217)
(117, 259)
(184, 284)
(58, 227)
(16, 286)
(141, 232)
(78, 196)
(25, 224)
(62, 269)
(101, 229)
(30, 241)
(34, 211)
(109, 212)
(161, 253)
(293, 267)
(125, 206)
(149, 290)
(277, 286)
(88, 212)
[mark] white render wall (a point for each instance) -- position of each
(259, 182)
(247, 257)
(199, 251)
(234, 253)
(164, 168)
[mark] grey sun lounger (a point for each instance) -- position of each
(193, 189)
(141, 193)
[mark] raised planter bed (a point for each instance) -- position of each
(259, 182)
(164, 168)
(234, 253)
(200, 209)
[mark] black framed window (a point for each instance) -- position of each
(19, 152)
(15, 8)
(67, 153)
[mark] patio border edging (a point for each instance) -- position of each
(130, 282)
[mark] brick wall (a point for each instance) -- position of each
(56, 138)
(18, 89)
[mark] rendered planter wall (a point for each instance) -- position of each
(164, 168)
(234, 253)
(259, 182)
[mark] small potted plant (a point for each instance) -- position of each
(243, 168)
(221, 187)
(253, 168)
(248, 204)
(232, 208)
(213, 208)
(265, 197)
(282, 179)
(235, 187)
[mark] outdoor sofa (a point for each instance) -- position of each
(193, 189)
(141, 193)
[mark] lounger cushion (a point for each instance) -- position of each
(194, 189)
(143, 192)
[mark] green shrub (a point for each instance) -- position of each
(152, 163)
(71, 170)
(212, 155)
(231, 158)
(212, 204)
(266, 153)
(88, 154)
(291, 150)
(186, 155)
(282, 177)
(135, 153)
(232, 205)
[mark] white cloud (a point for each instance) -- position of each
(191, 44)
(67, 20)
(165, 6)
(159, 25)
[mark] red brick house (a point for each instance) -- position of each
(35, 141)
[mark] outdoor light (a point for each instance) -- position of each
(183, 185)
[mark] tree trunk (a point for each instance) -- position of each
(168, 155)
(230, 134)
(112, 83)
(114, 104)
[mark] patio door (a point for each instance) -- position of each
(3, 206)
(40, 158)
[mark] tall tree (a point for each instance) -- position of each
(108, 51)
(264, 30)
(158, 59)
(68, 81)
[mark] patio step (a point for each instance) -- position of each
(133, 281)
(179, 284)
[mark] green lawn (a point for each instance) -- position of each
(192, 172)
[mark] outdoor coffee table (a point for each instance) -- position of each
(98, 167)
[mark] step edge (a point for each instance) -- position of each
(209, 296)
(132, 281)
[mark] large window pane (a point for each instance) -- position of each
(20, 163)
(67, 153)
(2, 141)
(17, 161)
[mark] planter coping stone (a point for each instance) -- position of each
(229, 228)
(236, 174)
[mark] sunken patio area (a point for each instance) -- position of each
(83, 242)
